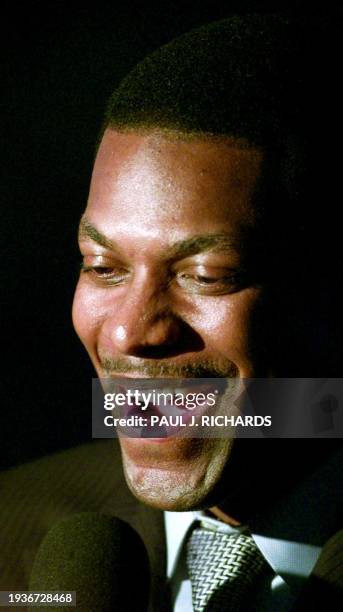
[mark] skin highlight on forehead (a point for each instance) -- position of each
(157, 168)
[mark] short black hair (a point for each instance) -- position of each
(216, 79)
(269, 79)
(273, 81)
(251, 76)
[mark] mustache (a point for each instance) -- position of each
(209, 368)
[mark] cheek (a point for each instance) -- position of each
(87, 315)
(227, 324)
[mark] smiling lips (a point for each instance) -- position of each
(177, 405)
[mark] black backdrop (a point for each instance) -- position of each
(61, 63)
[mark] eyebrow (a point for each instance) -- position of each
(88, 230)
(220, 242)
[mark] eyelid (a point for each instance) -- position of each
(202, 269)
(88, 248)
(103, 260)
(210, 281)
(211, 259)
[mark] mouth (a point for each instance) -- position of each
(160, 409)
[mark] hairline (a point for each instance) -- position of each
(173, 134)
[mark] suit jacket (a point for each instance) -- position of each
(90, 478)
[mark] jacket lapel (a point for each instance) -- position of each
(324, 588)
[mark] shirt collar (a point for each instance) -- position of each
(293, 561)
(290, 544)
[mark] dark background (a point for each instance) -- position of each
(61, 62)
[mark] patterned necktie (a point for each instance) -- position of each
(223, 568)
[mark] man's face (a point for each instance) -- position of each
(166, 291)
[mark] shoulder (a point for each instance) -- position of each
(37, 494)
(62, 476)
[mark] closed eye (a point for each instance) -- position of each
(210, 285)
(108, 274)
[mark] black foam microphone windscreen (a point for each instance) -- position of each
(100, 557)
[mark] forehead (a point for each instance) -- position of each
(155, 178)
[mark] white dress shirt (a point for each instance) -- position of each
(290, 542)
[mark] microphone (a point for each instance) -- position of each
(100, 557)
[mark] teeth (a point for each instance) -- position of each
(166, 405)
(171, 392)
(170, 410)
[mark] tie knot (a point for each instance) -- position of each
(223, 568)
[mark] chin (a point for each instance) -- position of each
(177, 474)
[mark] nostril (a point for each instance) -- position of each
(158, 352)
(180, 339)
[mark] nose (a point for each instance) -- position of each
(142, 322)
